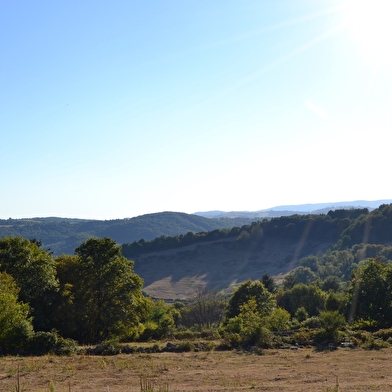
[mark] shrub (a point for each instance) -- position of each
(110, 347)
(65, 346)
(312, 322)
(186, 347)
(302, 337)
(374, 344)
(362, 324)
(384, 334)
(43, 343)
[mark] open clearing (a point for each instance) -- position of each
(274, 370)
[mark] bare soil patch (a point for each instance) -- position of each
(302, 370)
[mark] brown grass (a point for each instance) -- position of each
(344, 370)
(180, 273)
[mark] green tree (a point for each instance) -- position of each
(15, 324)
(311, 298)
(289, 281)
(304, 275)
(34, 272)
(249, 327)
(331, 283)
(371, 293)
(110, 295)
(331, 321)
(311, 262)
(269, 283)
(68, 306)
(160, 321)
(265, 301)
(279, 319)
(336, 301)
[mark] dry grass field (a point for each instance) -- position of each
(344, 370)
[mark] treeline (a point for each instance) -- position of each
(64, 235)
(317, 228)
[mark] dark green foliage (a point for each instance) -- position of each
(337, 301)
(269, 283)
(247, 291)
(311, 298)
(301, 314)
(35, 274)
(43, 343)
(15, 323)
(331, 321)
(331, 283)
(100, 295)
(64, 235)
(374, 227)
(289, 281)
(304, 275)
(371, 293)
(111, 296)
(160, 322)
(311, 262)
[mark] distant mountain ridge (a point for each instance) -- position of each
(286, 210)
(63, 235)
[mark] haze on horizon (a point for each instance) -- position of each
(113, 110)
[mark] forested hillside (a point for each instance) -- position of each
(62, 235)
(173, 267)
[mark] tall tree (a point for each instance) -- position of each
(111, 292)
(34, 272)
(15, 323)
(371, 293)
(264, 300)
(269, 283)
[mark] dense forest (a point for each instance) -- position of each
(51, 303)
(63, 235)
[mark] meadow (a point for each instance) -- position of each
(304, 369)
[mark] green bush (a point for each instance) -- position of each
(384, 334)
(43, 343)
(362, 324)
(65, 346)
(312, 322)
(374, 344)
(302, 337)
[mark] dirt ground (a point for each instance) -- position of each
(344, 370)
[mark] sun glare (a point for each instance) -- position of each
(369, 24)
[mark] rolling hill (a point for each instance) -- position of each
(62, 235)
(177, 254)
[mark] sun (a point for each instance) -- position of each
(369, 24)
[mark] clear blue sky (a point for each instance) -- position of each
(112, 109)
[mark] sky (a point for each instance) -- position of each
(110, 110)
